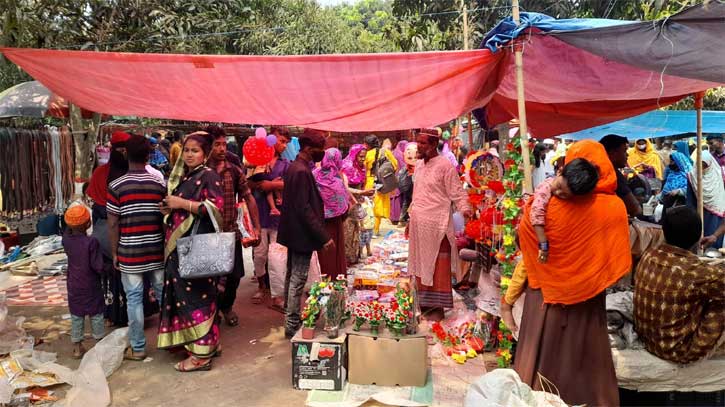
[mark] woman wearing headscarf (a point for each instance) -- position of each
(713, 194)
(538, 174)
(188, 311)
(353, 170)
(676, 187)
(405, 178)
(643, 156)
(395, 200)
(683, 148)
(336, 200)
(381, 202)
(563, 336)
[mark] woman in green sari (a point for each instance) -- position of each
(188, 312)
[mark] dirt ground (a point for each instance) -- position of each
(254, 370)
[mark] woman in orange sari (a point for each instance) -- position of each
(563, 337)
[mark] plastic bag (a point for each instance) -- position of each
(504, 388)
(12, 335)
(277, 262)
(90, 388)
(314, 274)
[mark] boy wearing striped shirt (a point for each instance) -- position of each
(135, 227)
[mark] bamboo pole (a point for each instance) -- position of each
(465, 24)
(698, 106)
(523, 129)
(470, 131)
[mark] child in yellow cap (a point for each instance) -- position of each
(85, 268)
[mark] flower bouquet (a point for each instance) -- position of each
(399, 312)
(360, 314)
(376, 316)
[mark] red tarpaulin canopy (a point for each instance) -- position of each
(567, 89)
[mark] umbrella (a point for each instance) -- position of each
(32, 99)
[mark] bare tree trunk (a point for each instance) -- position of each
(84, 139)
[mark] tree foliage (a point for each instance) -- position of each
(277, 27)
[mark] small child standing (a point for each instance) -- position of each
(578, 177)
(85, 268)
(367, 223)
(274, 198)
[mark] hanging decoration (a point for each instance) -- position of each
(256, 150)
(511, 207)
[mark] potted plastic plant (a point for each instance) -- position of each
(309, 317)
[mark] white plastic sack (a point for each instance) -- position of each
(277, 262)
(504, 388)
(6, 391)
(313, 275)
(90, 388)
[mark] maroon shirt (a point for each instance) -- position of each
(85, 268)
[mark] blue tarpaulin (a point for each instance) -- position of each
(658, 123)
(506, 30)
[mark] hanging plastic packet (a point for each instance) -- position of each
(244, 223)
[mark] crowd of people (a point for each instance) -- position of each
(327, 206)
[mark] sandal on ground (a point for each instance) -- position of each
(231, 318)
(129, 354)
(258, 297)
(78, 351)
(197, 365)
(277, 306)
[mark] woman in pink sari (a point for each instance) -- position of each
(336, 199)
(353, 171)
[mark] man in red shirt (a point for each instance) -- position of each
(116, 166)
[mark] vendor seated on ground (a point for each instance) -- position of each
(679, 300)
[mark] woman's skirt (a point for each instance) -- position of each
(188, 312)
(566, 349)
(439, 295)
(352, 236)
(396, 203)
(332, 260)
(710, 225)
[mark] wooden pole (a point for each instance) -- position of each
(698, 105)
(464, 8)
(470, 131)
(523, 129)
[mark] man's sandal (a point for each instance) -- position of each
(129, 354)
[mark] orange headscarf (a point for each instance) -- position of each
(588, 237)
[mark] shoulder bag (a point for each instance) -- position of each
(207, 254)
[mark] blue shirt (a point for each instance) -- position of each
(278, 171)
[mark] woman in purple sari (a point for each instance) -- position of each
(396, 201)
(188, 311)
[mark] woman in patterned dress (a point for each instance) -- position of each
(188, 311)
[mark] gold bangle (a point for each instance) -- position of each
(190, 207)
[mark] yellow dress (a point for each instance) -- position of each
(648, 157)
(381, 202)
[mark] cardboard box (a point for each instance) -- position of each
(387, 361)
(319, 363)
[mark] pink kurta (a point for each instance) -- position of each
(436, 189)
